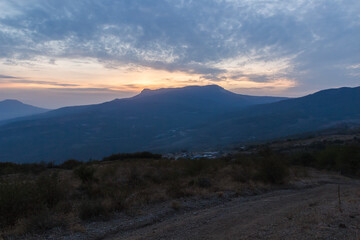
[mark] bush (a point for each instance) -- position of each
(23, 199)
(50, 191)
(41, 221)
(203, 183)
(345, 159)
(304, 159)
(85, 173)
(193, 167)
(92, 209)
(17, 200)
(175, 190)
(70, 164)
(134, 178)
(243, 174)
(26, 168)
(139, 155)
(272, 170)
(176, 205)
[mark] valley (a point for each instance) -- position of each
(195, 119)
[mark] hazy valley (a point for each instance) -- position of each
(172, 120)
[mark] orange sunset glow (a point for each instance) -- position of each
(82, 56)
(90, 75)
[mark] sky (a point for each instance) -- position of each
(58, 53)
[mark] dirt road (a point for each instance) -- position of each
(312, 213)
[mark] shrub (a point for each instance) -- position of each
(92, 209)
(118, 200)
(50, 191)
(139, 155)
(70, 164)
(176, 205)
(175, 190)
(272, 170)
(304, 159)
(345, 159)
(193, 167)
(27, 198)
(134, 178)
(26, 168)
(162, 175)
(41, 221)
(203, 182)
(17, 200)
(50, 165)
(85, 173)
(243, 174)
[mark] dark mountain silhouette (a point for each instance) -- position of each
(10, 109)
(122, 125)
(194, 118)
(318, 111)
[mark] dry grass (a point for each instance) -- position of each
(65, 197)
(176, 205)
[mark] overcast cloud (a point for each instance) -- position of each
(310, 44)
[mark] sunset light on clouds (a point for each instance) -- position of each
(86, 51)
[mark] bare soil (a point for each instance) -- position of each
(312, 213)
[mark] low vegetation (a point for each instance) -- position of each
(38, 197)
(344, 159)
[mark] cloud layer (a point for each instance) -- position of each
(306, 44)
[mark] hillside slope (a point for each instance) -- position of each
(10, 109)
(192, 118)
(314, 112)
(122, 125)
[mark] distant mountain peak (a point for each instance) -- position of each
(152, 119)
(150, 92)
(8, 101)
(12, 108)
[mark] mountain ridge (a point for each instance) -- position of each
(195, 118)
(313, 112)
(128, 124)
(12, 108)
